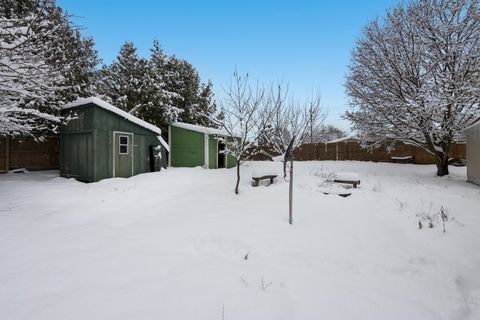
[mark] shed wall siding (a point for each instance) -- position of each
(187, 148)
(77, 156)
(77, 147)
(473, 154)
(231, 161)
(213, 152)
(99, 124)
(82, 121)
(106, 123)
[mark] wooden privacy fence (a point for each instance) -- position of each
(29, 154)
(26, 153)
(352, 150)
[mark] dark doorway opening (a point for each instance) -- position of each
(152, 157)
(222, 157)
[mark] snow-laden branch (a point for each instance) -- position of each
(27, 79)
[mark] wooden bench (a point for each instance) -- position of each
(404, 159)
(457, 162)
(347, 178)
(335, 189)
(355, 183)
(256, 180)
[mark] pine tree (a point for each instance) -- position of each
(74, 57)
(138, 86)
(194, 98)
(122, 81)
(160, 90)
(206, 106)
(164, 110)
(82, 75)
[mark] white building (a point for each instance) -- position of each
(473, 153)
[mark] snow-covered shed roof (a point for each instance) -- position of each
(107, 106)
(163, 143)
(202, 129)
(343, 139)
(127, 116)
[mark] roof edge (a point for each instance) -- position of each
(109, 107)
(202, 129)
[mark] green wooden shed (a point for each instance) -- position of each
(102, 141)
(193, 145)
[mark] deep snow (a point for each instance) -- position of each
(179, 244)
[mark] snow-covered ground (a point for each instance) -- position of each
(179, 244)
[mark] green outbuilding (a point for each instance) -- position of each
(193, 145)
(102, 141)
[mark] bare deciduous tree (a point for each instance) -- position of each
(327, 132)
(290, 119)
(245, 116)
(415, 76)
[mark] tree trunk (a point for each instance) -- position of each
(238, 177)
(284, 169)
(442, 166)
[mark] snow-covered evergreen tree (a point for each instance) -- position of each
(415, 76)
(27, 38)
(49, 65)
(140, 86)
(206, 106)
(193, 97)
(74, 57)
(160, 90)
(124, 81)
(164, 110)
(79, 67)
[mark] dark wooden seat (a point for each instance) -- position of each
(404, 159)
(355, 183)
(256, 180)
(347, 178)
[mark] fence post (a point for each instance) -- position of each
(7, 153)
